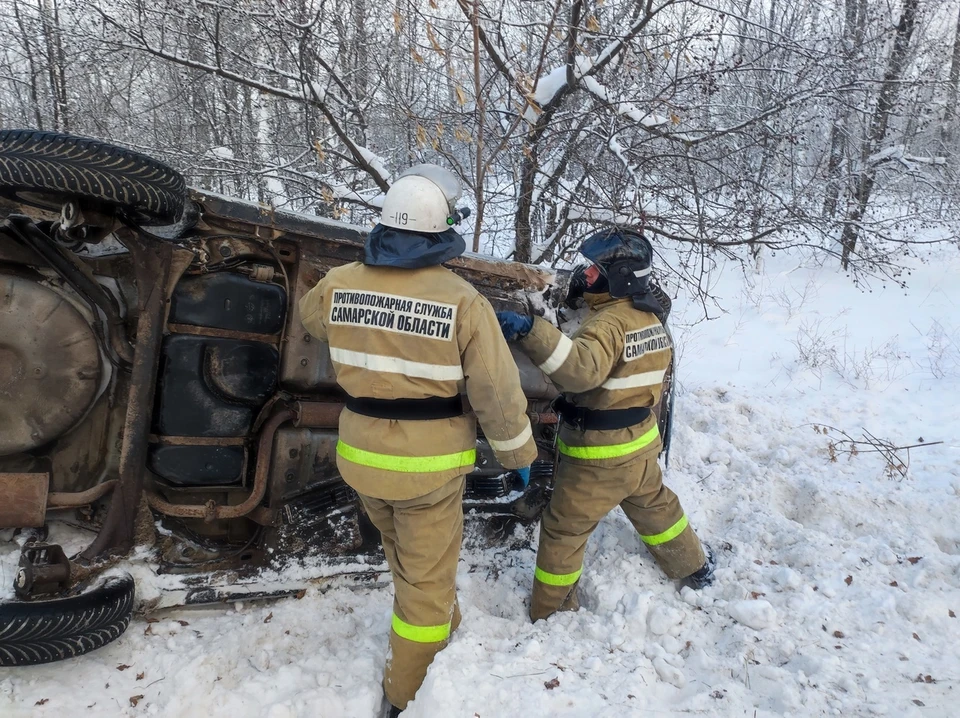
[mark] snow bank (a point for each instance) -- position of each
(837, 586)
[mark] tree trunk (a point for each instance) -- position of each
(839, 131)
(49, 16)
(950, 111)
(31, 64)
(523, 229)
(480, 178)
(879, 123)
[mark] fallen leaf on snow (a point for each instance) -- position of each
(140, 676)
(183, 623)
(551, 684)
(952, 614)
(268, 618)
(122, 667)
(914, 559)
(136, 699)
(916, 636)
(919, 702)
(894, 584)
(838, 634)
(41, 702)
(848, 580)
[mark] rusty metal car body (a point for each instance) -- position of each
(222, 410)
(157, 383)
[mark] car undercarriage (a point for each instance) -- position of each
(156, 385)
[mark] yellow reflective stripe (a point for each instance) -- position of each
(610, 451)
(420, 634)
(557, 579)
(514, 443)
(393, 365)
(647, 378)
(668, 535)
(409, 464)
(558, 356)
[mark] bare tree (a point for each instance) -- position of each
(870, 154)
(722, 127)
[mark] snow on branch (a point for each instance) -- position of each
(898, 153)
(313, 94)
(647, 120)
(374, 161)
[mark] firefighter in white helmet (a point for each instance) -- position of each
(408, 339)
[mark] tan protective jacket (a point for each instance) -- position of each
(412, 334)
(617, 359)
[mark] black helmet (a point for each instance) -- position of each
(624, 257)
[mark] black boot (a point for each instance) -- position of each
(387, 710)
(703, 576)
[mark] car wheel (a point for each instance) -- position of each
(45, 169)
(33, 632)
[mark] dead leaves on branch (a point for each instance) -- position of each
(896, 458)
(433, 41)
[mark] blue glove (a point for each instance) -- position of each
(514, 325)
(524, 474)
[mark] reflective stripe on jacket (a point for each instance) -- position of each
(412, 334)
(617, 359)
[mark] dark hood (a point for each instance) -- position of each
(389, 247)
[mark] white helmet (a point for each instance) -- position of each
(422, 199)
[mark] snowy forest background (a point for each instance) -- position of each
(724, 125)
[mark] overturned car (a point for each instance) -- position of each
(157, 387)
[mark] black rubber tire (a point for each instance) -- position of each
(34, 632)
(46, 168)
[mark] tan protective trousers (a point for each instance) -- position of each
(421, 539)
(585, 494)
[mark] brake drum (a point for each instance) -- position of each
(50, 366)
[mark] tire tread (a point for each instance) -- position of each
(48, 161)
(43, 632)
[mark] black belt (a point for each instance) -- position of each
(433, 407)
(598, 419)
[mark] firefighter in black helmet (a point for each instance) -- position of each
(612, 371)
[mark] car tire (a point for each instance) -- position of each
(44, 169)
(34, 632)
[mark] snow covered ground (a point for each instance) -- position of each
(838, 583)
